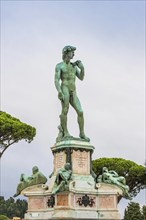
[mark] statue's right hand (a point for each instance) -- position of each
(61, 96)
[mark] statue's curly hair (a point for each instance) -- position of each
(67, 49)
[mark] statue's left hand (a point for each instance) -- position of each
(79, 64)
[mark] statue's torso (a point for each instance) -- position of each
(68, 76)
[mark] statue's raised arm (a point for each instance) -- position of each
(79, 69)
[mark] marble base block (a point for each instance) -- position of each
(94, 204)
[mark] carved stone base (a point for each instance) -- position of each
(94, 204)
(83, 199)
(79, 154)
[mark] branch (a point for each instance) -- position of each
(1, 153)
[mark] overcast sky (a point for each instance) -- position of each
(110, 41)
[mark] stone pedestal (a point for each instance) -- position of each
(84, 199)
(79, 155)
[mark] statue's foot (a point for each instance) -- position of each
(83, 136)
(66, 135)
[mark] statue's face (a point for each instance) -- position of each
(105, 169)
(35, 170)
(70, 54)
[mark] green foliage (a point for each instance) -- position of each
(13, 208)
(3, 217)
(144, 211)
(133, 212)
(13, 130)
(134, 174)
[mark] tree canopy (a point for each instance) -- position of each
(133, 212)
(144, 211)
(13, 130)
(3, 217)
(134, 174)
(11, 208)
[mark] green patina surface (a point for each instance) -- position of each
(25, 181)
(62, 179)
(66, 72)
(111, 177)
(74, 143)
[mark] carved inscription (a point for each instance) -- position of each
(59, 160)
(62, 200)
(81, 162)
(106, 202)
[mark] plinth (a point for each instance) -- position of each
(83, 199)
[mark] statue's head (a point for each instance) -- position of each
(35, 169)
(66, 50)
(67, 166)
(104, 169)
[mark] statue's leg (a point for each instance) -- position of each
(61, 186)
(63, 116)
(75, 102)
